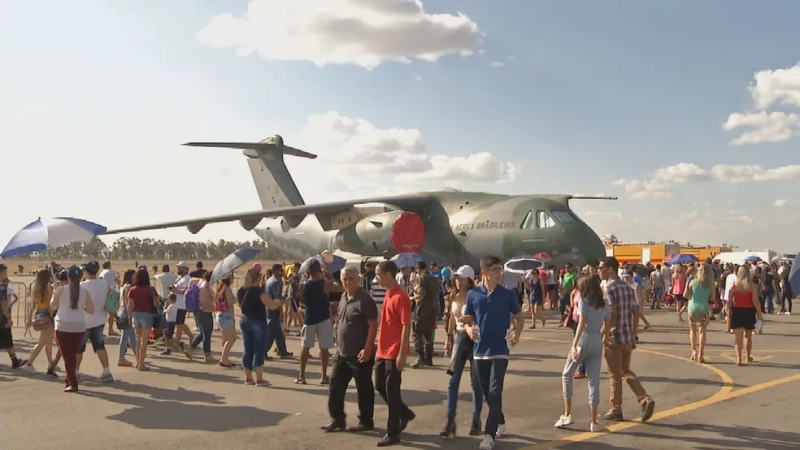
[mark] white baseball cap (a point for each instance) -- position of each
(465, 272)
(183, 264)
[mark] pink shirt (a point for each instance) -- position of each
(678, 284)
(576, 297)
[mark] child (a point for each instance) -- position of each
(171, 314)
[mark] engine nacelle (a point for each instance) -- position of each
(383, 234)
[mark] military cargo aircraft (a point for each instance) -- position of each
(447, 226)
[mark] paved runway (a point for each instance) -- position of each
(187, 405)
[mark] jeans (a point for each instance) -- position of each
(492, 374)
(591, 357)
(68, 344)
(346, 368)
(275, 336)
(582, 367)
(618, 359)
(455, 381)
(254, 334)
(766, 300)
(205, 320)
(387, 382)
(128, 339)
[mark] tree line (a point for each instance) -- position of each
(127, 248)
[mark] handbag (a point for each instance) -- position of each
(42, 323)
(123, 322)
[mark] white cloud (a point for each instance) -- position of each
(704, 220)
(498, 64)
(605, 215)
(780, 86)
(780, 203)
(767, 127)
(418, 77)
(659, 184)
(360, 32)
(360, 148)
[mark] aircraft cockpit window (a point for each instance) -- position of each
(543, 220)
(565, 216)
(527, 222)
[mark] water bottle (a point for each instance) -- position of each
(509, 338)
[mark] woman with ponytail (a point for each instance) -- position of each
(71, 302)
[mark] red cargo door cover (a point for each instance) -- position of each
(408, 233)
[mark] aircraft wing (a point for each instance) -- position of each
(294, 214)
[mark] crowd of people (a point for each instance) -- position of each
(374, 316)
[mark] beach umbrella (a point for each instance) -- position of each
(41, 234)
(543, 257)
(752, 259)
(327, 260)
(406, 259)
(522, 265)
(230, 263)
(683, 258)
(794, 275)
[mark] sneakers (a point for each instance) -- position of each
(647, 409)
(106, 377)
(501, 430)
(29, 368)
(563, 421)
(596, 428)
(487, 443)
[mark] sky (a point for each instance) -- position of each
(688, 112)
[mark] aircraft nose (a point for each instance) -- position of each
(589, 245)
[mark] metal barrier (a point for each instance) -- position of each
(18, 303)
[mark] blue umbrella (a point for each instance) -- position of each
(41, 235)
(330, 262)
(683, 258)
(794, 275)
(406, 259)
(752, 259)
(230, 263)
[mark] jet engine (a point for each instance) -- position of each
(387, 233)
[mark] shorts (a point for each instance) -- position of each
(322, 332)
(180, 318)
(658, 293)
(294, 305)
(743, 318)
(225, 320)
(143, 320)
(551, 288)
(6, 339)
(679, 298)
(536, 301)
(96, 336)
(170, 330)
(699, 319)
(42, 314)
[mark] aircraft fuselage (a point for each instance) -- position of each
(462, 227)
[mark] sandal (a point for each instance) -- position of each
(750, 359)
(229, 365)
(249, 382)
(701, 359)
(300, 380)
(694, 356)
(263, 383)
(144, 368)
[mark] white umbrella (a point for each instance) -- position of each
(53, 233)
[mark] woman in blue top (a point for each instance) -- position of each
(700, 292)
(587, 348)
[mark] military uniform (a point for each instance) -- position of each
(425, 318)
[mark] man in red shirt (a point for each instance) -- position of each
(394, 336)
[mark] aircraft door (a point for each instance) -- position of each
(461, 254)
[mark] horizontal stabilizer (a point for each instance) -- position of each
(291, 151)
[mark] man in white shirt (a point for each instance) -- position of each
(112, 278)
(164, 281)
(179, 288)
(98, 290)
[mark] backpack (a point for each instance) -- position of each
(192, 299)
(112, 301)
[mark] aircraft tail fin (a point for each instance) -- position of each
(274, 183)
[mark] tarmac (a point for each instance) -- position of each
(184, 404)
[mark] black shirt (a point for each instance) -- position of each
(250, 303)
(353, 328)
(198, 273)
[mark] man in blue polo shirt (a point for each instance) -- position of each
(487, 319)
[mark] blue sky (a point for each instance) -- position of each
(99, 95)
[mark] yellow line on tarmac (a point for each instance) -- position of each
(726, 392)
